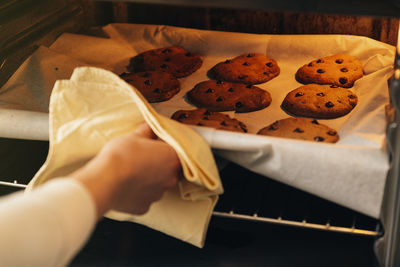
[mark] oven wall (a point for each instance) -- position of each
(249, 21)
(28, 24)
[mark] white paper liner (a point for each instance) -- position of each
(351, 172)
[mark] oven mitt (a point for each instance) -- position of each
(95, 106)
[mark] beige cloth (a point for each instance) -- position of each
(95, 106)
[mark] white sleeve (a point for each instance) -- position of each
(47, 226)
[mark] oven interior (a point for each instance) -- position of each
(257, 221)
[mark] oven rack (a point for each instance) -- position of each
(303, 224)
(252, 197)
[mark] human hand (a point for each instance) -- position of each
(131, 172)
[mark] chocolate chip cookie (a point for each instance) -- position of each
(226, 96)
(204, 117)
(174, 59)
(249, 68)
(301, 128)
(320, 101)
(155, 86)
(341, 70)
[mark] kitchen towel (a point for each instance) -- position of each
(95, 106)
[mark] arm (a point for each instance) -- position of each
(48, 226)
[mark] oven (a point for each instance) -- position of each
(258, 221)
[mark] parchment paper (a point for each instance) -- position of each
(351, 172)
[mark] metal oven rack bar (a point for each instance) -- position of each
(349, 230)
(13, 184)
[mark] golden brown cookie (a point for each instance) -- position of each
(249, 68)
(319, 101)
(301, 128)
(341, 70)
(155, 86)
(174, 59)
(226, 96)
(204, 117)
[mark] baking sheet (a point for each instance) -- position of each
(351, 172)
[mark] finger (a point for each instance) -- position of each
(145, 131)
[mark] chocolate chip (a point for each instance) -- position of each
(223, 123)
(329, 104)
(318, 106)
(166, 50)
(320, 61)
(230, 89)
(250, 55)
(227, 61)
(249, 86)
(55, 68)
(163, 66)
(219, 82)
(344, 70)
(238, 104)
(299, 94)
(319, 138)
(209, 90)
(274, 126)
(241, 77)
(147, 82)
(334, 86)
(331, 132)
(182, 116)
(339, 61)
(320, 71)
(157, 90)
(206, 118)
(343, 80)
(219, 99)
(298, 130)
(266, 73)
(140, 58)
(145, 75)
(207, 112)
(352, 96)
(310, 64)
(321, 94)
(315, 122)
(188, 54)
(269, 64)
(167, 59)
(245, 64)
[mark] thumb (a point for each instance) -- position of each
(145, 131)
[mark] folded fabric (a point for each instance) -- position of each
(95, 106)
